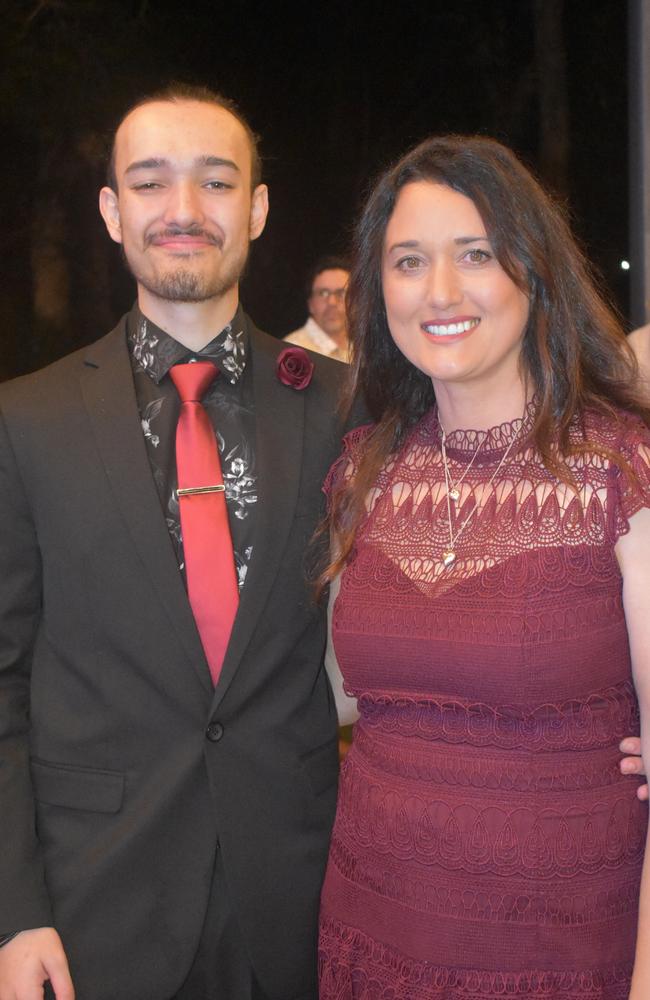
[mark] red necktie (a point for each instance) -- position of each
(209, 563)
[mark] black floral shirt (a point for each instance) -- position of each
(229, 404)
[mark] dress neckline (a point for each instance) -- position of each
(463, 442)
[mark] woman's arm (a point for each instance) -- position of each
(633, 553)
(346, 706)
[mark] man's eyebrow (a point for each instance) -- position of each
(155, 163)
(150, 164)
(216, 161)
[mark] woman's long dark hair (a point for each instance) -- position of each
(574, 355)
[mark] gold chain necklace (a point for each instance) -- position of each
(449, 555)
(453, 489)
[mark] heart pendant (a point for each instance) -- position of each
(454, 494)
(448, 558)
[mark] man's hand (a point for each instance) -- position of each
(630, 765)
(29, 960)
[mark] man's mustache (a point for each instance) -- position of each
(193, 231)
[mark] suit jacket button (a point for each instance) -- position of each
(214, 732)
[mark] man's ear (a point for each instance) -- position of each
(110, 213)
(259, 210)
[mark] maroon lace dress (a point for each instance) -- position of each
(485, 844)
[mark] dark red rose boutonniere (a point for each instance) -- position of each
(294, 367)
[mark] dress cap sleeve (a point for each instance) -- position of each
(632, 492)
(348, 461)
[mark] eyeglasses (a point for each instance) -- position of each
(326, 293)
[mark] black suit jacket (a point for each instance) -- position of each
(121, 769)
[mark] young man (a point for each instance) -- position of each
(326, 329)
(165, 809)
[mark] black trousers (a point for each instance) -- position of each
(221, 969)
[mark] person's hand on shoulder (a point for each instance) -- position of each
(29, 960)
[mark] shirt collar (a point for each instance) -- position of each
(155, 352)
(323, 341)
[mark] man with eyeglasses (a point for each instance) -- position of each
(326, 329)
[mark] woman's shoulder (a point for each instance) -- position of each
(621, 462)
(353, 440)
(616, 429)
(345, 466)
(357, 441)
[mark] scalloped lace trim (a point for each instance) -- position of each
(571, 725)
(352, 966)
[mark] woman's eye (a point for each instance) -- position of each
(477, 256)
(409, 263)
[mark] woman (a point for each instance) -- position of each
(491, 534)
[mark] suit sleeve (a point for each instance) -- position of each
(24, 901)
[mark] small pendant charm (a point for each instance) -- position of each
(448, 558)
(454, 494)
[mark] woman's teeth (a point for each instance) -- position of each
(449, 329)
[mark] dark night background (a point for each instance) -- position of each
(336, 91)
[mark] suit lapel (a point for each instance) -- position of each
(109, 394)
(279, 412)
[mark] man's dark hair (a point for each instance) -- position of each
(331, 263)
(178, 91)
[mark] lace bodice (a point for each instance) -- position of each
(522, 507)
